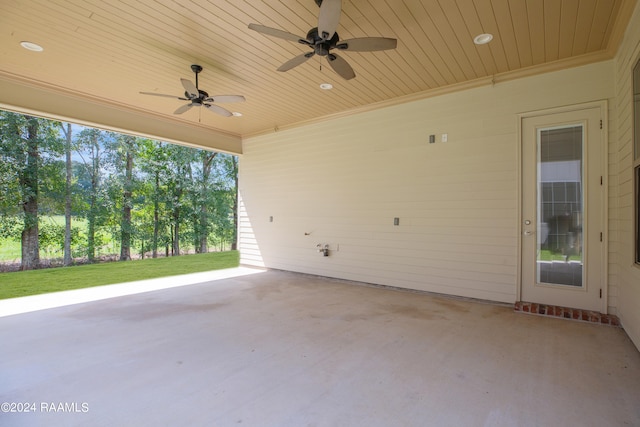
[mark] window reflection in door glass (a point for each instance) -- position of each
(560, 206)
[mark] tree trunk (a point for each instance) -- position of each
(156, 216)
(125, 226)
(204, 225)
(175, 249)
(207, 161)
(93, 202)
(30, 247)
(234, 242)
(67, 200)
(196, 233)
(30, 241)
(91, 233)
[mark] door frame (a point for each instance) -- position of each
(604, 113)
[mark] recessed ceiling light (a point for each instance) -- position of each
(326, 86)
(483, 38)
(236, 114)
(31, 46)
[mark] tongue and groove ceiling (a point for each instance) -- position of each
(109, 51)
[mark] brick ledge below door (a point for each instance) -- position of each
(566, 313)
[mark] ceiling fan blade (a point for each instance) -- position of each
(163, 95)
(225, 98)
(218, 109)
(277, 33)
(341, 66)
(294, 62)
(183, 108)
(329, 18)
(190, 88)
(367, 44)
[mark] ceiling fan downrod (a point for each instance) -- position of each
(196, 69)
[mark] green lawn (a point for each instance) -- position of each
(34, 282)
(10, 250)
(546, 255)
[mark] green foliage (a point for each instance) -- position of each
(52, 237)
(10, 227)
(178, 197)
(51, 194)
(51, 230)
(16, 168)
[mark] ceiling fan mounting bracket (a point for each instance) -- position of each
(196, 68)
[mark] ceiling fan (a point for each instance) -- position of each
(200, 98)
(324, 38)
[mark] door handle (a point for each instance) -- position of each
(528, 233)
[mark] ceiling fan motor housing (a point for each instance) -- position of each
(199, 97)
(320, 46)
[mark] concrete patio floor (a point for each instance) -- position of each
(285, 349)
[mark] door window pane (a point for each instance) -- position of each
(560, 206)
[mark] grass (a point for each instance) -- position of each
(35, 282)
(10, 250)
(546, 255)
(59, 220)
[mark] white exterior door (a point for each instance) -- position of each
(563, 251)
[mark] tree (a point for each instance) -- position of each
(203, 227)
(29, 183)
(67, 194)
(127, 148)
(153, 156)
(179, 163)
(90, 143)
(231, 173)
(225, 200)
(140, 191)
(28, 143)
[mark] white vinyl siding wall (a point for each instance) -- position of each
(624, 275)
(341, 182)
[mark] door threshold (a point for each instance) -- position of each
(566, 313)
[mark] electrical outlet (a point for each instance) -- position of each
(445, 137)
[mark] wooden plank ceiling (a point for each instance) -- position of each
(112, 50)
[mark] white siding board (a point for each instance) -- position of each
(344, 180)
(624, 289)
